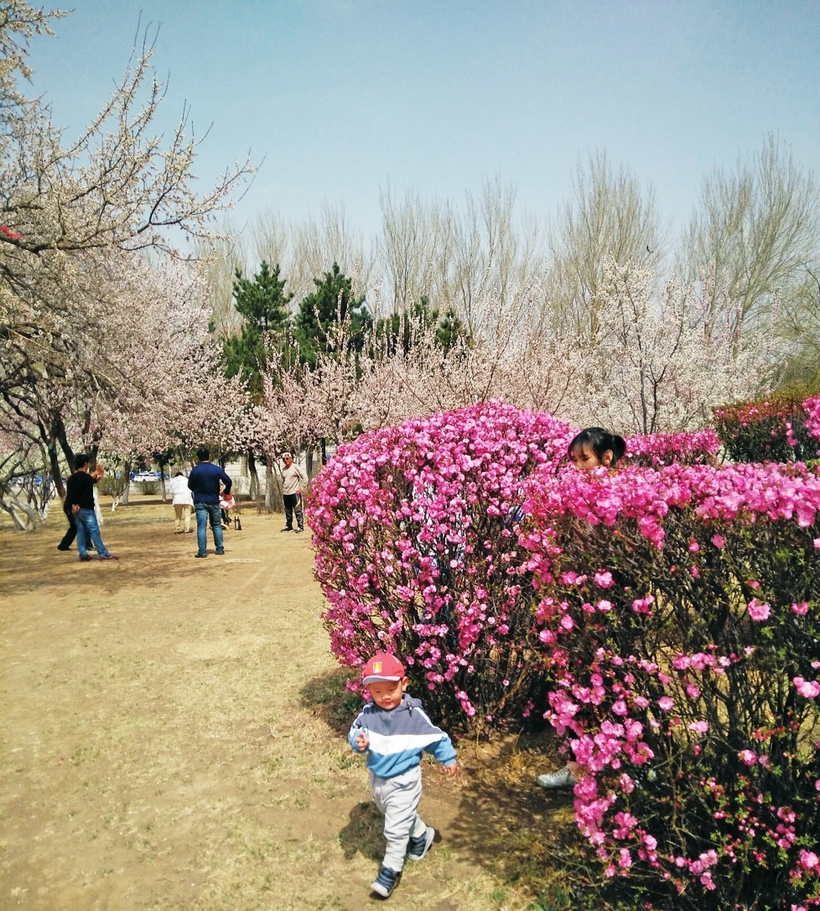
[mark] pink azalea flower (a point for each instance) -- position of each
(666, 703)
(808, 689)
(603, 579)
(699, 727)
(758, 610)
(809, 860)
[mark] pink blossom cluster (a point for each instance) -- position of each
(679, 613)
(665, 621)
(780, 429)
(812, 422)
(415, 532)
(773, 490)
(749, 413)
(656, 449)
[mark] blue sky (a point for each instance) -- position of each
(342, 97)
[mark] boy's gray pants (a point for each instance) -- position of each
(398, 798)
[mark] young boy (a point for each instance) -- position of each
(394, 731)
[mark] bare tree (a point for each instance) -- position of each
(218, 259)
(754, 231)
(318, 243)
(609, 217)
(474, 260)
(407, 248)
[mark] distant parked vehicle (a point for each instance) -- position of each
(145, 476)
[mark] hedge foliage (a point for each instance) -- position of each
(680, 616)
(774, 430)
(665, 620)
(415, 531)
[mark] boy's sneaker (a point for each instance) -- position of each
(385, 882)
(563, 778)
(417, 847)
(110, 557)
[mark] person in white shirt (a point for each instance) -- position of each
(182, 502)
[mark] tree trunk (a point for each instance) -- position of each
(162, 466)
(59, 435)
(269, 488)
(127, 488)
(253, 491)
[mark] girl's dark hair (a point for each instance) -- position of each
(599, 441)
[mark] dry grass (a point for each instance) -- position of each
(173, 738)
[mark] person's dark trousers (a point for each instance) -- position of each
(293, 504)
(71, 534)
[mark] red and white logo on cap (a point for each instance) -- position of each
(382, 667)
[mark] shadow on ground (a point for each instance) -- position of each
(363, 833)
(504, 821)
(327, 697)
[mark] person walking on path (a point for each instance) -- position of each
(293, 483)
(71, 533)
(394, 730)
(182, 501)
(79, 499)
(204, 484)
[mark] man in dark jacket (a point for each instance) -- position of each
(204, 483)
(71, 534)
(79, 499)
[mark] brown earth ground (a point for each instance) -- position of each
(173, 737)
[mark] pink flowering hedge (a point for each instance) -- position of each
(679, 615)
(812, 421)
(657, 449)
(415, 529)
(781, 429)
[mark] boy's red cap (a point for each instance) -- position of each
(382, 667)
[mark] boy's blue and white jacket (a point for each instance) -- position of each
(399, 736)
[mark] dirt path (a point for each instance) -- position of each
(173, 738)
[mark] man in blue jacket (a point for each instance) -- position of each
(204, 482)
(394, 731)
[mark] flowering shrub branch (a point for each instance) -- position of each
(680, 615)
(656, 449)
(778, 430)
(415, 531)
